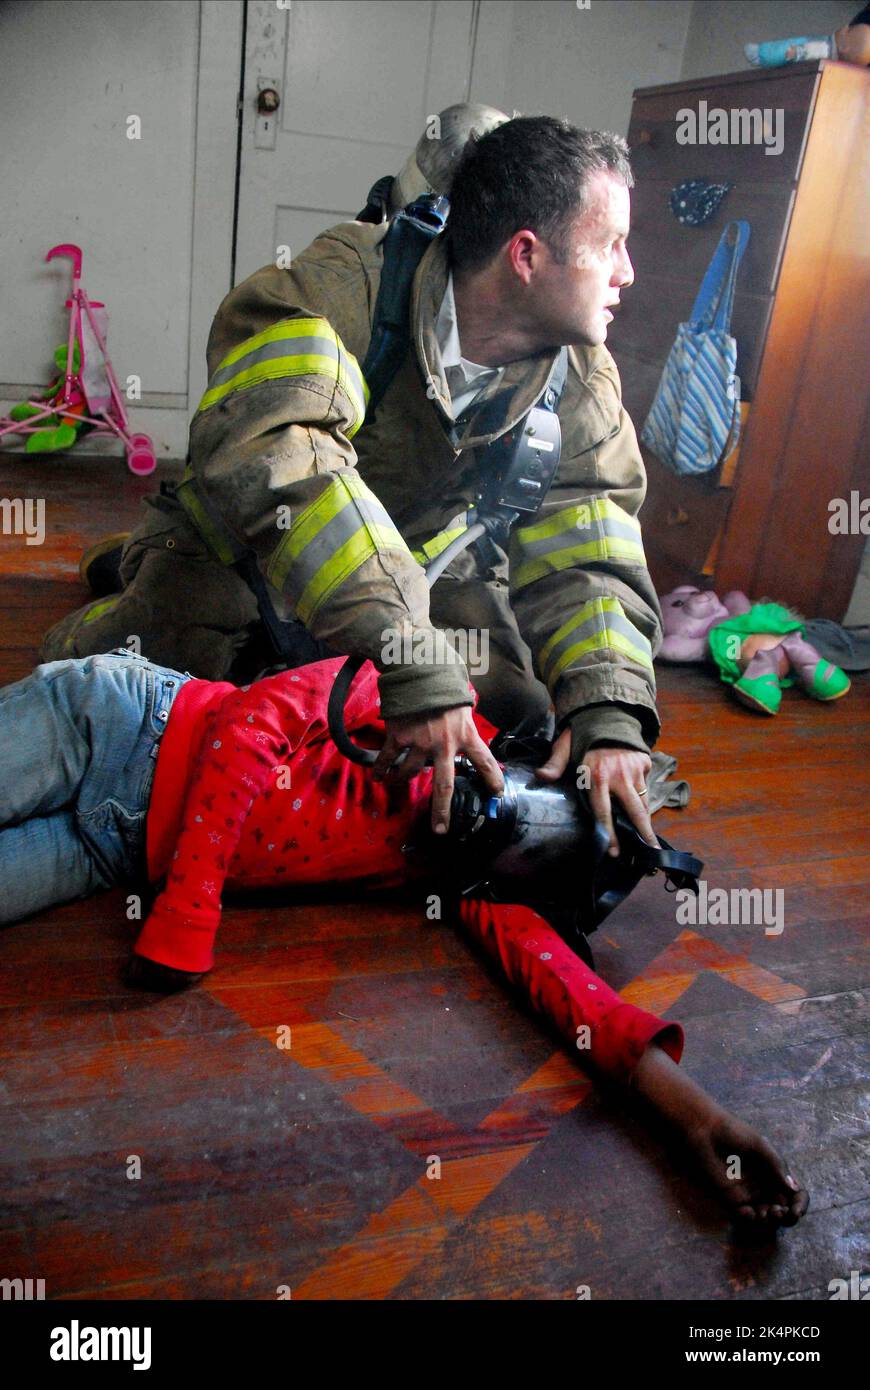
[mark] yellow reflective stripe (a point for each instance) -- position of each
(188, 498)
(309, 523)
(582, 615)
(440, 542)
(599, 624)
(345, 561)
(99, 609)
(343, 367)
(592, 531)
(605, 548)
(274, 368)
(580, 515)
(331, 538)
(354, 388)
(284, 328)
(95, 611)
(607, 638)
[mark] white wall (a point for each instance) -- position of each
(719, 28)
(549, 56)
(153, 216)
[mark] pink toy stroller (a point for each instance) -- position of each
(85, 396)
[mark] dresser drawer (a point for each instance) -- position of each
(680, 520)
(656, 153)
(659, 244)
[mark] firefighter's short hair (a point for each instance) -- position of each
(532, 171)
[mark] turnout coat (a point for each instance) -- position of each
(342, 517)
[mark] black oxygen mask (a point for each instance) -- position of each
(540, 843)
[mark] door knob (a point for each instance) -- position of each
(268, 100)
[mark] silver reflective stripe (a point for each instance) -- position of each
(356, 512)
(579, 535)
(279, 347)
(606, 626)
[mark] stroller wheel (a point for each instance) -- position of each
(140, 455)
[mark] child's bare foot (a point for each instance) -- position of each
(161, 979)
(748, 1173)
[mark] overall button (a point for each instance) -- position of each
(163, 716)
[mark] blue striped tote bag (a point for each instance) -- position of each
(695, 417)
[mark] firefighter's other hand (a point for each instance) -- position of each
(438, 738)
(620, 772)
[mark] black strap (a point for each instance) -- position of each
(600, 881)
(613, 879)
(378, 201)
(411, 233)
(497, 467)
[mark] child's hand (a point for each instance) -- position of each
(764, 1195)
(142, 973)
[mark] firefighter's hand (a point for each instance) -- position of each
(438, 738)
(620, 772)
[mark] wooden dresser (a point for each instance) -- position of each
(802, 323)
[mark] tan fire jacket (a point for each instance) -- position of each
(335, 517)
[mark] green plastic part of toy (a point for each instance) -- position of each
(60, 358)
(763, 691)
(829, 682)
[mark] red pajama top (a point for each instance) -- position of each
(250, 791)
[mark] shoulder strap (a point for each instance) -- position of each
(411, 232)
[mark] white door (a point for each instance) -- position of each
(356, 80)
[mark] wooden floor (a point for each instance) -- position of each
(306, 1167)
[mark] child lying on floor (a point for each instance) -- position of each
(114, 768)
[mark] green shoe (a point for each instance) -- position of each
(829, 682)
(761, 693)
(25, 411)
(45, 441)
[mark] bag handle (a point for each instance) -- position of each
(734, 430)
(712, 307)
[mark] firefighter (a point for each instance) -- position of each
(341, 518)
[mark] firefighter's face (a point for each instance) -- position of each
(577, 300)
